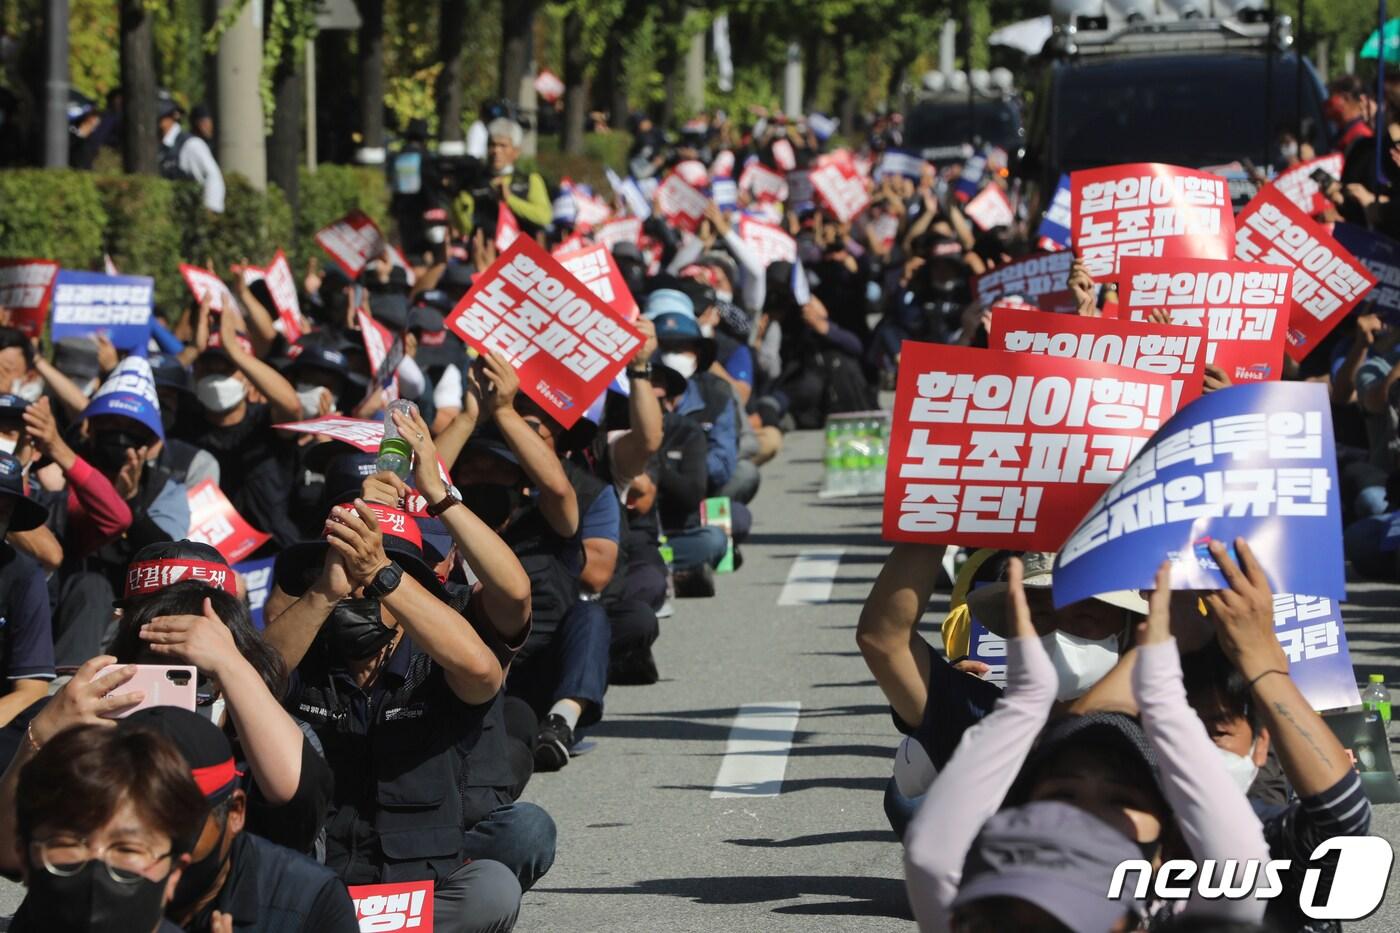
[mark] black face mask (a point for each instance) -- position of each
(109, 450)
(354, 630)
(199, 877)
(90, 900)
(493, 503)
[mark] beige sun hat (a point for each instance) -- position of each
(988, 603)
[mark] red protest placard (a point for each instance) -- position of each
(202, 282)
(363, 434)
(681, 205)
(25, 288)
(385, 352)
(594, 267)
(1148, 209)
(1179, 353)
(627, 230)
(763, 183)
(1328, 281)
(783, 156)
(403, 905)
(214, 521)
(1242, 305)
(770, 243)
(1009, 450)
(693, 172)
(1297, 185)
(841, 188)
(507, 227)
(1030, 278)
(990, 209)
(723, 165)
(283, 288)
(565, 343)
(352, 241)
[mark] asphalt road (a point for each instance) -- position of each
(643, 843)
(643, 846)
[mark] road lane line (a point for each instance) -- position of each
(755, 757)
(810, 579)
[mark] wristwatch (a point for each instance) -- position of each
(384, 582)
(448, 501)
(639, 372)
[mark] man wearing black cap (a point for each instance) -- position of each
(258, 884)
(26, 637)
(186, 157)
(404, 698)
(255, 464)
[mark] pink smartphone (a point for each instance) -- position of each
(163, 685)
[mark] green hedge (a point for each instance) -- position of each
(52, 215)
(150, 225)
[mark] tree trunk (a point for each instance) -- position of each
(517, 37)
(575, 87)
(812, 64)
(140, 138)
(284, 144)
(371, 83)
(845, 103)
(243, 144)
(448, 91)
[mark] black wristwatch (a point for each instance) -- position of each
(639, 372)
(384, 582)
(448, 501)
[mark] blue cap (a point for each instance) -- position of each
(130, 391)
(672, 326)
(12, 406)
(669, 301)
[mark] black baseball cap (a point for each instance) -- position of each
(28, 514)
(204, 746)
(12, 406)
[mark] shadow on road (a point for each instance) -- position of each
(866, 897)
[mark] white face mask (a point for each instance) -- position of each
(220, 393)
(725, 296)
(683, 363)
(8, 445)
(1289, 150)
(310, 397)
(1079, 662)
(1242, 768)
(29, 390)
(707, 329)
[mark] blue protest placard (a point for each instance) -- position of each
(990, 648)
(1310, 630)
(1054, 223)
(86, 303)
(1253, 461)
(725, 193)
(1381, 255)
(898, 162)
(257, 579)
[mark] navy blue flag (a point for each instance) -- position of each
(1252, 461)
(1381, 255)
(87, 303)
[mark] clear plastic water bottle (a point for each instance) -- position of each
(1376, 697)
(849, 484)
(395, 454)
(831, 458)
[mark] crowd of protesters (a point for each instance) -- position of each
(415, 668)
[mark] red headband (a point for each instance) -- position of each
(215, 778)
(396, 524)
(152, 576)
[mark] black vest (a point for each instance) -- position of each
(432, 766)
(169, 159)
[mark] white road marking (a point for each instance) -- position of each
(811, 577)
(755, 758)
